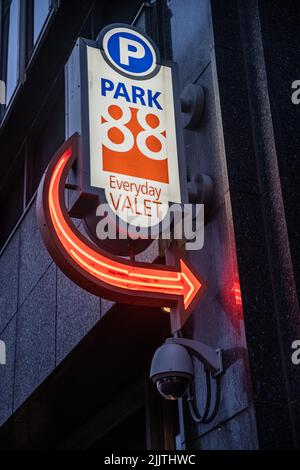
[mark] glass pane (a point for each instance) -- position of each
(13, 49)
(41, 11)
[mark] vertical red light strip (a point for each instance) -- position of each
(237, 293)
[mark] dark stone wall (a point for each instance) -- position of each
(217, 321)
(43, 315)
(280, 23)
(261, 199)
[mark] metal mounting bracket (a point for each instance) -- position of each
(211, 358)
(192, 106)
(200, 189)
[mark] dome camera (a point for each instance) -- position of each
(172, 370)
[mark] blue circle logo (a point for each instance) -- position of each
(129, 51)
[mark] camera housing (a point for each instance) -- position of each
(171, 370)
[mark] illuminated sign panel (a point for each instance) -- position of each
(133, 146)
(132, 149)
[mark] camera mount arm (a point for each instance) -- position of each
(210, 358)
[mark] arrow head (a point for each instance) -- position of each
(193, 286)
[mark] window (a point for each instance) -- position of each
(46, 138)
(11, 202)
(10, 46)
(21, 25)
(37, 13)
(12, 75)
(41, 10)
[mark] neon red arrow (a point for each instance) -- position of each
(91, 267)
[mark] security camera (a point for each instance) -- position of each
(171, 370)
(172, 367)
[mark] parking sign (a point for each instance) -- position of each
(133, 152)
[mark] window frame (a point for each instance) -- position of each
(31, 46)
(44, 23)
(27, 54)
(4, 37)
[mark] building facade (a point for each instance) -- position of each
(77, 366)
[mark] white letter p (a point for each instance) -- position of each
(130, 48)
